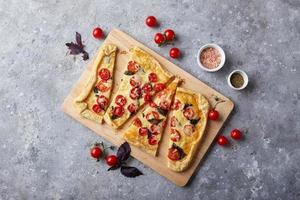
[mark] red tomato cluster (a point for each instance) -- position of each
(97, 152)
(163, 38)
(235, 134)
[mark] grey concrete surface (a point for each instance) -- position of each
(45, 154)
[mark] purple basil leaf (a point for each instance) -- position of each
(78, 39)
(114, 167)
(74, 48)
(85, 55)
(130, 172)
(124, 152)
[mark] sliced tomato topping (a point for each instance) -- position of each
(173, 122)
(148, 97)
(104, 74)
(102, 101)
(174, 154)
(162, 94)
(120, 100)
(175, 135)
(159, 86)
(164, 105)
(152, 77)
(152, 104)
(132, 66)
(102, 88)
(143, 131)
(154, 129)
(134, 82)
(96, 108)
(152, 115)
(164, 124)
(118, 111)
(135, 93)
(147, 87)
(176, 104)
(189, 113)
(137, 122)
(132, 108)
(189, 129)
(152, 140)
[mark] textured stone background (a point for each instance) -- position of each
(44, 153)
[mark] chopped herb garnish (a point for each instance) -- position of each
(162, 111)
(180, 150)
(186, 105)
(155, 121)
(129, 73)
(194, 121)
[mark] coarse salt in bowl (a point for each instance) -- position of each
(211, 57)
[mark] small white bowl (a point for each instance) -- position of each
(244, 75)
(220, 51)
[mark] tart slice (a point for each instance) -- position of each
(147, 127)
(94, 98)
(187, 126)
(144, 77)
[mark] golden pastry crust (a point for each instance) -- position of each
(147, 65)
(106, 57)
(189, 144)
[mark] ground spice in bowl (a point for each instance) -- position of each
(237, 80)
(210, 58)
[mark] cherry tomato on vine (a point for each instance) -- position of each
(111, 160)
(174, 52)
(97, 33)
(170, 34)
(236, 134)
(151, 21)
(96, 152)
(159, 38)
(222, 140)
(213, 115)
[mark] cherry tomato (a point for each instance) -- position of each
(222, 140)
(132, 108)
(96, 152)
(147, 88)
(152, 115)
(236, 134)
(111, 160)
(152, 140)
(118, 111)
(134, 83)
(96, 108)
(188, 129)
(102, 101)
(151, 21)
(173, 154)
(152, 77)
(97, 33)
(189, 113)
(176, 105)
(159, 86)
(164, 105)
(152, 104)
(102, 88)
(159, 38)
(170, 35)
(120, 100)
(135, 93)
(175, 135)
(154, 129)
(213, 115)
(147, 97)
(132, 66)
(104, 74)
(143, 131)
(174, 52)
(137, 122)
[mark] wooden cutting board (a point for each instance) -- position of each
(158, 164)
